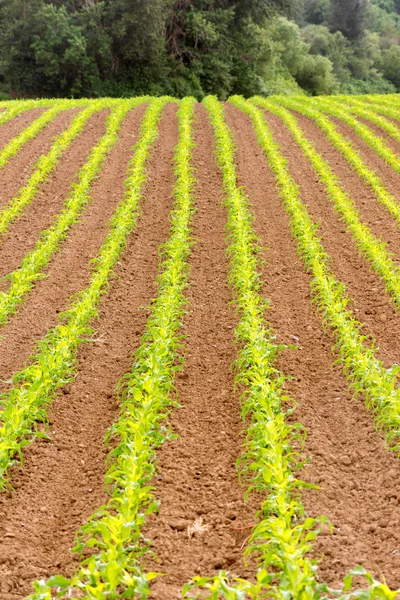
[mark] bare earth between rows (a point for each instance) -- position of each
(61, 481)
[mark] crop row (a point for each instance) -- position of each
(113, 533)
(44, 166)
(360, 109)
(360, 363)
(280, 541)
(373, 248)
(349, 153)
(23, 278)
(332, 108)
(19, 107)
(376, 109)
(53, 365)
(358, 359)
(32, 130)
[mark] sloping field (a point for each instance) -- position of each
(199, 346)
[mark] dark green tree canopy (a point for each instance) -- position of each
(180, 47)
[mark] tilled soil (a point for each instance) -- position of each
(197, 481)
(203, 523)
(61, 481)
(358, 476)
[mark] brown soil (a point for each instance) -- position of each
(371, 303)
(61, 482)
(359, 478)
(17, 171)
(39, 215)
(69, 270)
(197, 476)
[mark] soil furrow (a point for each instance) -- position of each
(371, 303)
(16, 173)
(53, 192)
(69, 271)
(18, 124)
(359, 477)
(197, 476)
(61, 481)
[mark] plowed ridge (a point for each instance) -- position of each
(199, 348)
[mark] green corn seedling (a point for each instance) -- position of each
(113, 533)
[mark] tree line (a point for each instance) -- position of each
(77, 48)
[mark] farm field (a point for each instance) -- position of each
(199, 348)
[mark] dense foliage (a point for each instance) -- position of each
(76, 48)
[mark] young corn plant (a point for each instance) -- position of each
(23, 279)
(15, 145)
(348, 152)
(33, 388)
(113, 533)
(373, 248)
(45, 165)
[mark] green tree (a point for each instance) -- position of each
(348, 16)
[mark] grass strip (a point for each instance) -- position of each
(359, 361)
(33, 388)
(348, 152)
(45, 165)
(375, 142)
(23, 279)
(113, 533)
(32, 130)
(373, 248)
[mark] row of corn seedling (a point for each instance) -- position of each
(349, 153)
(358, 358)
(18, 107)
(45, 165)
(330, 107)
(114, 532)
(360, 109)
(24, 404)
(23, 278)
(372, 109)
(32, 131)
(374, 249)
(280, 541)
